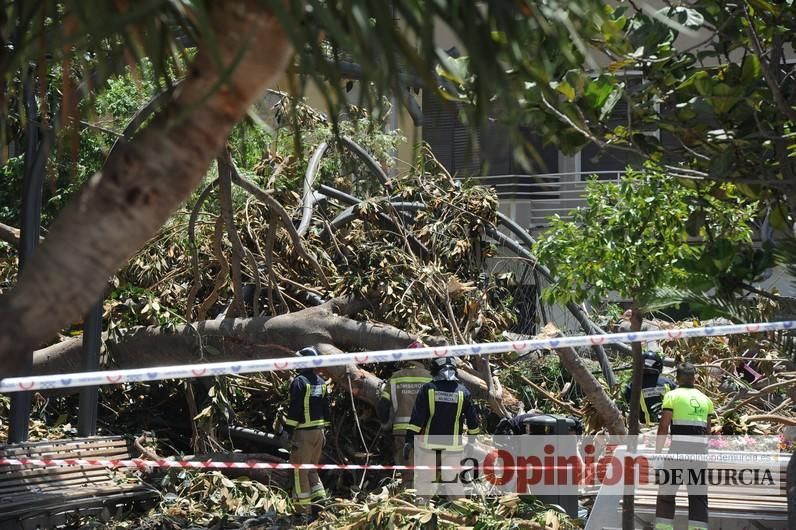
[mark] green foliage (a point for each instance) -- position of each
(721, 111)
(385, 512)
(633, 237)
(507, 43)
(11, 190)
(124, 95)
(302, 131)
(724, 105)
(93, 43)
(74, 157)
(208, 499)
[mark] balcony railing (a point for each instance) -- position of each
(546, 194)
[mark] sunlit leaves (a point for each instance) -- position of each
(634, 237)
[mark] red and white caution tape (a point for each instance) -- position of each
(159, 373)
(141, 463)
(144, 464)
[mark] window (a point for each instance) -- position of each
(488, 153)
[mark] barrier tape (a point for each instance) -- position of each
(115, 377)
(141, 463)
(144, 464)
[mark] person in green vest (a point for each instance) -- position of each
(686, 415)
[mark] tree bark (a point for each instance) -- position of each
(9, 234)
(144, 181)
(227, 213)
(235, 339)
(609, 413)
(634, 413)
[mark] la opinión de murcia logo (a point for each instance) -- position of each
(522, 465)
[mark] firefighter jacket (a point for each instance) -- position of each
(398, 397)
(690, 410)
(653, 388)
(309, 402)
(441, 409)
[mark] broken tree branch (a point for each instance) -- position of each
(287, 222)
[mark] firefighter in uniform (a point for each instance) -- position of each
(308, 414)
(395, 407)
(687, 412)
(653, 388)
(443, 407)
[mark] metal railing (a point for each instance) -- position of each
(546, 194)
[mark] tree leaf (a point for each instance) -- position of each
(611, 101)
(685, 16)
(750, 69)
(724, 97)
(565, 88)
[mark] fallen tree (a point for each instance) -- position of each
(428, 243)
(327, 327)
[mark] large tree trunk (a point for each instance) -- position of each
(609, 414)
(236, 339)
(144, 181)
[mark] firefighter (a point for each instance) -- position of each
(686, 412)
(308, 415)
(443, 407)
(653, 388)
(395, 407)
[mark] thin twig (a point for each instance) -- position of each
(772, 418)
(257, 283)
(571, 408)
(771, 79)
(359, 428)
(759, 393)
(278, 171)
(138, 442)
(270, 236)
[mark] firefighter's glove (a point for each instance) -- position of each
(407, 451)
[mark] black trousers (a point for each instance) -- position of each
(688, 471)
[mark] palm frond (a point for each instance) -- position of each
(707, 305)
(785, 255)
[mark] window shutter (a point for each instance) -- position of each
(439, 124)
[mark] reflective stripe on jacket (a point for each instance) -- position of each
(399, 394)
(309, 402)
(442, 408)
(653, 388)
